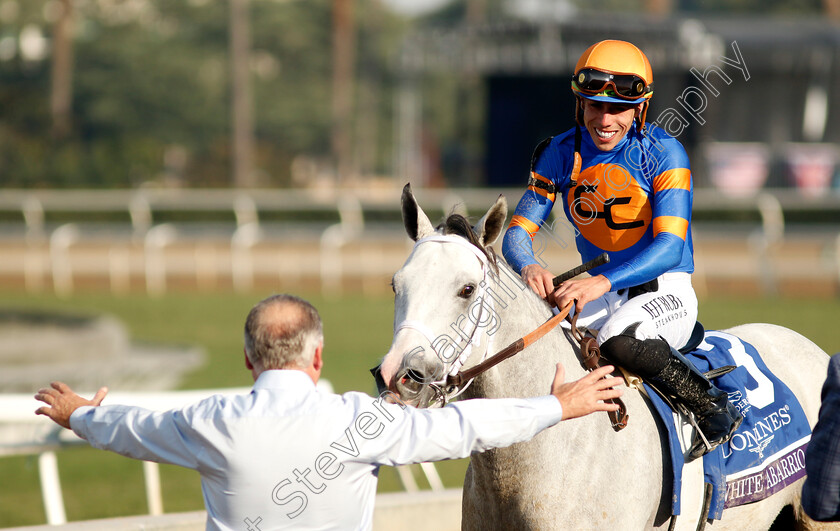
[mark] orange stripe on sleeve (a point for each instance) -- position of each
(529, 226)
(673, 224)
(677, 179)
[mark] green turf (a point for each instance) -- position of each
(816, 319)
(357, 333)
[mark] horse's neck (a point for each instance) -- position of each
(497, 474)
(519, 311)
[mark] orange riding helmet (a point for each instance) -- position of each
(616, 72)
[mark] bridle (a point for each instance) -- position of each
(589, 351)
(444, 388)
(457, 380)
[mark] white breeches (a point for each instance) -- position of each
(669, 312)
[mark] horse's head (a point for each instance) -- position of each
(443, 316)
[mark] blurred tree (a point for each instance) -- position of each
(145, 78)
(143, 90)
(242, 113)
(62, 68)
(832, 9)
(343, 67)
(118, 92)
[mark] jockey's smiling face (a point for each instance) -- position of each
(607, 123)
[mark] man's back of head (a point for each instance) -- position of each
(282, 332)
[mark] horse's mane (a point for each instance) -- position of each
(460, 226)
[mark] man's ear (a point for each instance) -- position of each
(317, 360)
(248, 364)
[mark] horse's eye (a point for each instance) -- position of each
(467, 291)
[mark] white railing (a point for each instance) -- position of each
(24, 433)
(48, 248)
(143, 205)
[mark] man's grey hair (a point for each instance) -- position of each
(282, 332)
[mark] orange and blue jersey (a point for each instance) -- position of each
(633, 202)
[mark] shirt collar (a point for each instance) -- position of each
(286, 379)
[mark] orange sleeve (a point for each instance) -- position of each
(527, 225)
(676, 179)
(674, 224)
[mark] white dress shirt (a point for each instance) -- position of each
(287, 456)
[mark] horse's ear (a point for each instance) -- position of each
(491, 224)
(416, 222)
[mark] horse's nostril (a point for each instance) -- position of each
(410, 381)
(413, 383)
(416, 375)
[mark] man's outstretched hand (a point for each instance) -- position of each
(62, 402)
(586, 395)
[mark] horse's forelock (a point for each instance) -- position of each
(460, 226)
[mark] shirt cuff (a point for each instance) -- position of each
(550, 405)
(77, 424)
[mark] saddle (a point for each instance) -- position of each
(764, 455)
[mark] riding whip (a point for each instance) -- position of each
(601, 259)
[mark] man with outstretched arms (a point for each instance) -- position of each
(289, 456)
(626, 190)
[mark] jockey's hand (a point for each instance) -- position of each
(62, 402)
(586, 395)
(538, 279)
(580, 291)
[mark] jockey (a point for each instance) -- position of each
(626, 190)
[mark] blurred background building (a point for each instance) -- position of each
(750, 99)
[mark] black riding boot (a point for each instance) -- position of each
(672, 374)
(716, 417)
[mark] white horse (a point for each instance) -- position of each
(579, 474)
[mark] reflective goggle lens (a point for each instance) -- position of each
(625, 85)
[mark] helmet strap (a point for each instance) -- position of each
(643, 115)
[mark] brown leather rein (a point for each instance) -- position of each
(514, 348)
(588, 348)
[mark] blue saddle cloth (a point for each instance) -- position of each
(767, 452)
